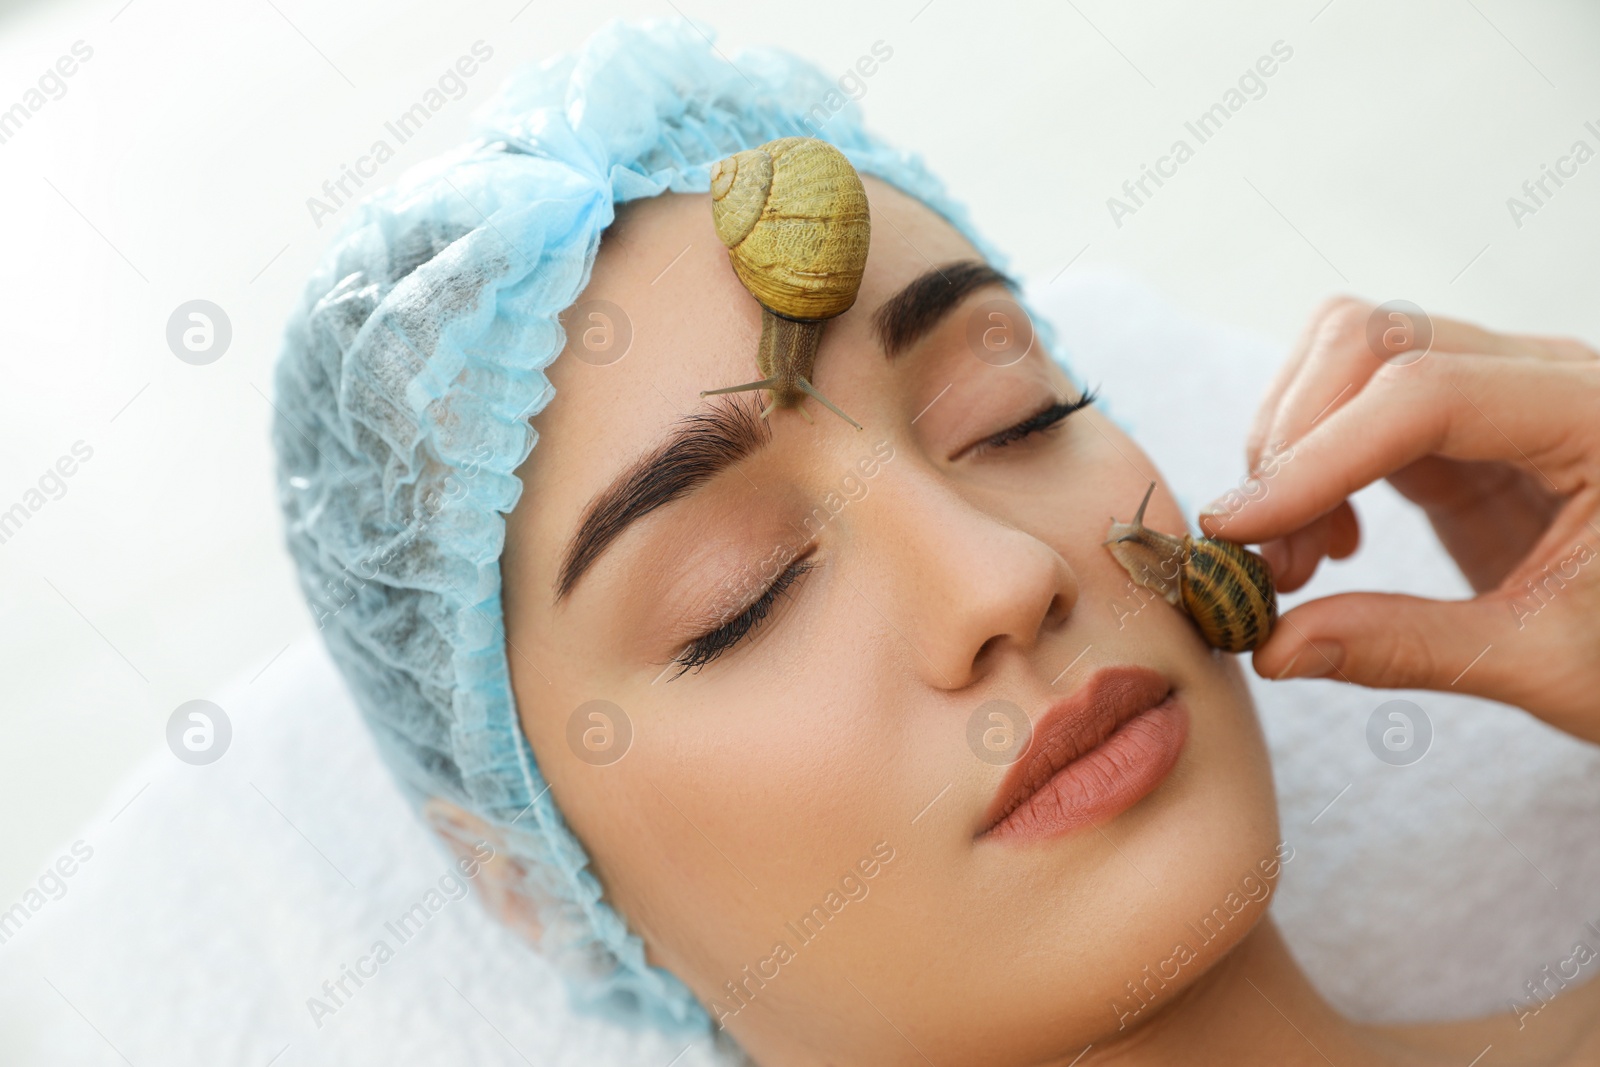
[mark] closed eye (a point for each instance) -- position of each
(1044, 419)
(707, 647)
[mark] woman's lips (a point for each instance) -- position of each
(1093, 755)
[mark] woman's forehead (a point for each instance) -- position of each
(664, 293)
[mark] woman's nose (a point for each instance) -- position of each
(975, 588)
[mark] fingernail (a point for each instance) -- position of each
(1315, 660)
(1287, 667)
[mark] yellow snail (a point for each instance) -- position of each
(1227, 590)
(794, 217)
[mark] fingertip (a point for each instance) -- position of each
(1241, 525)
(1274, 658)
(1344, 533)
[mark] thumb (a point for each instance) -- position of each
(1393, 641)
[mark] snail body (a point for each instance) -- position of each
(793, 215)
(1224, 588)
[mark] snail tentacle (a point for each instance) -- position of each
(1224, 588)
(765, 383)
(811, 391)
(794, 217)
(1152, 559)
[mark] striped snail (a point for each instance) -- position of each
(794, 217)
(1226, 589)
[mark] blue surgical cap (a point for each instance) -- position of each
(409, 371)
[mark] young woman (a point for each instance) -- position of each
(862, 769)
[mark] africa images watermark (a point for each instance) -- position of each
(1252, 85)
(336, 992)
(852, 83)
(1253, 488)
(1537, 191)
(1549, 583)
(51, 485)
(50, 886)
(1551, 979)
(51, 85)
(853, 886)
(403, 127)
(1255, 886)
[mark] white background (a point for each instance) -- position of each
(178, 163)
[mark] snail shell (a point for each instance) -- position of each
(1226, 589)
(793, 215)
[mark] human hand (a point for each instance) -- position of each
(1497, 438)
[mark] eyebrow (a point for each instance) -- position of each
(915, 310)
(706, 443)
(700, 446)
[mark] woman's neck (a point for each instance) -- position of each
(1254, 1006)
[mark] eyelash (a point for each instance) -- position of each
(706, 648)
(702, 650)
(1046, 419)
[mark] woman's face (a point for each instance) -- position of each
(801, 826)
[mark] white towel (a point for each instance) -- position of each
(217, 900)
